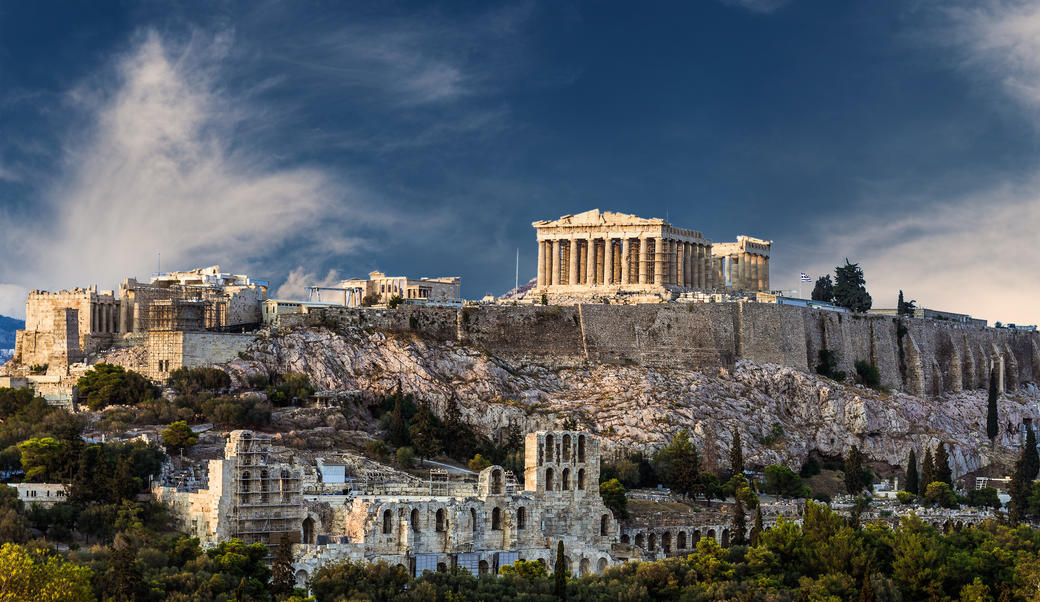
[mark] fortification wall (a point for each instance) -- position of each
(920, 356)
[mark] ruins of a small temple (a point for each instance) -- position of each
(607, 253)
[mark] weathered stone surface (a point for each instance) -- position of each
(634, 406)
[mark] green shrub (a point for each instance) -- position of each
(867, 374)
(194, 380)
(292, 387)
(109, 384)
(828, 365)
(377, 449)
(905, 497)
(406, 457)
(394, 302)
(782, 481)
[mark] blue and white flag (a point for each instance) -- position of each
(805, 277)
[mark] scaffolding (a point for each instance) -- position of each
(267, 500)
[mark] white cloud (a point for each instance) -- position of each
(159, 170)
(974, 252)
(12, 300)
(296, 283)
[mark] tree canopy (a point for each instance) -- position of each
(109, 384)
(850, 288)
(823, 290)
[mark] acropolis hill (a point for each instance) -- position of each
(633, 372)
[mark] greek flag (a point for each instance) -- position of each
(805, 277)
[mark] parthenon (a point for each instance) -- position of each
(605, 251)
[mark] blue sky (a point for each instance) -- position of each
(305, 142)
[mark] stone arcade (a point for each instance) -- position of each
(606, 252)
(432, 525)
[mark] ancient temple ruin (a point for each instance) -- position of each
(607, 252)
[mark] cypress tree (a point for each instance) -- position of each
(854, 471)
(942, 470)
(913, 479)
(398, 425)
(736, 455)
(992, 426)
(850, 288)
(927, 471)
(1018, 489)
(560, 573)
(739, 523)
(900, 308)
(424, 433)
(1030, 457)
(756, 531)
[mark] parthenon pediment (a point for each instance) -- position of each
(595, 217)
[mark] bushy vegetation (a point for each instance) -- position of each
(828, 366)
(108, 384)
(868, 374)
(195, 380)
(826, 558)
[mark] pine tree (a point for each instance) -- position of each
(854, 471)
(913, 479)
(941, 460)
(1030, 457)
(398, 424)
(283, 575)
(866, 594)
(756, 531)
(424, 433)
(992, 425)
(560, 573)
(927, 471)
(736, 455)
(739, 523)
(850, 288)
(823, 290)
(899, 303)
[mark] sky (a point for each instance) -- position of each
(306, 142)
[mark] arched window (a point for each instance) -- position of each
(651, 542)
(624, 538)
(521, 518)
(496, 520)
(263, 480)
(245, 482)
(581, 448)
(308, 530)
(639, 540)
(548, 448)
(388, 522)
(549, 479)
(666, 542)
(440, 519)
(604, 524)
(680, 540)
(496, 482)
(473, 519)
(565, 483)
(581, 478)
(414, 520)
(566, 448)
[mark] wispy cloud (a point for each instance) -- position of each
(295, 285)
(158, 170)
(972, 251)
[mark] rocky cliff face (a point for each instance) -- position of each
(783, 414)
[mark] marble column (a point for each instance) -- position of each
(658, 261)
(765, 273)
(554, 276)
(573, 262)
(590, 263)
(541, 264)
(626, 251)
(758, 273)
(643, 263)
(749, 271)
(608, 260)
(688, 264)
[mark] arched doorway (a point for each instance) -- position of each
(725, 538)
(584, 567)
(666, 542)
(601, 565)
(308, 530)
(680, 541)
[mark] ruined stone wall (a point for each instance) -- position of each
(918, 355)
(169, 350)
